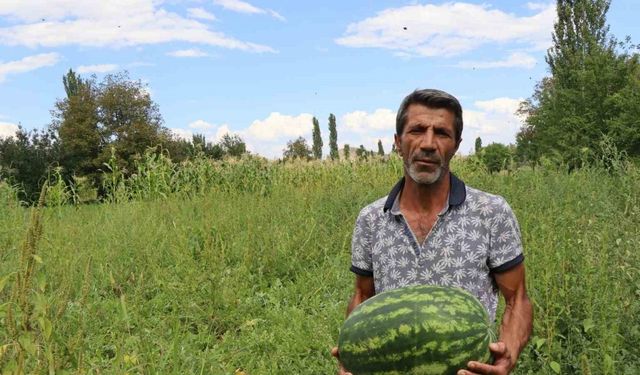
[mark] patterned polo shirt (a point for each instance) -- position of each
(475, 236)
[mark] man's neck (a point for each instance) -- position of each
(422, 198)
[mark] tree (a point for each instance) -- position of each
(94, 117)
(495, 156)
(361, 152)
(72, 83)
(232, 145)
(317, 140)
(347, 152)
(76, 123)
(129, 120)
(333, 138)
(478, 147)
(380, 149)
(576, 106)
(26, 159)
(209, 149)
(297, 149)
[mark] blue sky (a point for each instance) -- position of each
(262, 69)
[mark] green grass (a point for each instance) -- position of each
(252, 273)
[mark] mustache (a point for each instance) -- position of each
(426, 156)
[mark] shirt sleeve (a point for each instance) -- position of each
(361, 247)
(506, 249)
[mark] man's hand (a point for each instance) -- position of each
(341, 370)
(502, 363)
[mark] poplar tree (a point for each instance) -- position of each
(333, 138)
(585, 98)
(380, 149)
(478, 146)
(317, 140)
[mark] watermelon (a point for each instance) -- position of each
(419, 330)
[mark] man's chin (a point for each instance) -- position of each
(426, 178)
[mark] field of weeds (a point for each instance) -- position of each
(242, 267)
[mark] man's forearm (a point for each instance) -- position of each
(517, 324)
(356, 299)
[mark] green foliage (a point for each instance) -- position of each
(128, 119)
(73, 84)
(362, 152)
(347, 152)
(232, 145)
(592, 90)
(25, 161)
(317, 140)
(8, 195)
(496, 157)
(478, 146)
(171, 285)
(58, 193)
(297, 149)
(380, 148)
(333, 138)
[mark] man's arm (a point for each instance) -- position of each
(364, 289)
(517, 323)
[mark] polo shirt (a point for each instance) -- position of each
(474, 237)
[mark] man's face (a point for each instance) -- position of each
(427, 143)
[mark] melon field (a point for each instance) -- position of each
(242, 268)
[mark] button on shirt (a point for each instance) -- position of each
(474, 237)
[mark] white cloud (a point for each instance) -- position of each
(7, 129)
(201, 125)
(537, 6)
(222, 130)
(502, 105)
(99, 68)
(448, 29)
(193, 52)
(201, 13)
(27, 64)
(277, 126)
(115, 23)
(362, 122)
(212, 133)
(182, 133)
(493, 120)
(515, 60)
(244, 7)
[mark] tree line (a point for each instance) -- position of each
(589, 105)
(111, 122)
(299, 148)
(99, 126)
(586, 109)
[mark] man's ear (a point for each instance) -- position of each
(396, 141)
(458, 145)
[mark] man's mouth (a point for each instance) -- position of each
(427, 161)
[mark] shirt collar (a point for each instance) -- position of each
(457, 194)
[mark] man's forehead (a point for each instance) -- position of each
(418, 113)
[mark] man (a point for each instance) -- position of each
(433, 229)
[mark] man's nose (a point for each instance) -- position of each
(427, 141)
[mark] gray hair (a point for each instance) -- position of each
(433, 99)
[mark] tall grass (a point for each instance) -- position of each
(218, 268)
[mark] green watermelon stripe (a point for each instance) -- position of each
(460, 342)
(424, 330)
(452, 306)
